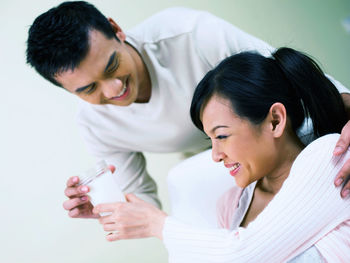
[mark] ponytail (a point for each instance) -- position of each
(253, 83)
(320, 99)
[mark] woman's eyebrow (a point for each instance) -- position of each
(217, 127)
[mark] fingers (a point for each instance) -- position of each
(74, 213)
(109, 227)
(75, 202)
(82, 211)
(78, 202)
(129, 233)
(72, 181)
(344, 176)
(76, 191)
(112, 237)
(133, 198)
(344, 140)
(346, 190)
(109, 207)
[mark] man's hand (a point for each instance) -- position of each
(132, 219)
(344, 174)
(78, 204)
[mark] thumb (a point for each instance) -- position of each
(340, 147)
(133, 198)
(344, 140)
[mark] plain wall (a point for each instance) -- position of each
(40, 146)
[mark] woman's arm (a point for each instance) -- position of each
(306, 208)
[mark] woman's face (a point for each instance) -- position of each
(247, 150)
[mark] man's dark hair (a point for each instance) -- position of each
(58, 40)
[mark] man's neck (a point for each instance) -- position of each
(145, 85)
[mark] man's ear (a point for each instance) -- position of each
(277, 118)
(117, 29)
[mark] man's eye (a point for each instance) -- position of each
(91, 89)
(113, 68)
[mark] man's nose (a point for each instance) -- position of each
(111, 87)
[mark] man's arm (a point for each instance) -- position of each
(343, 177)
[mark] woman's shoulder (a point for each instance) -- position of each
(317, 159)
(320, 148)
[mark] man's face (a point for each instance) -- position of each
(111, 72)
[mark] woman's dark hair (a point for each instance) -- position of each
(58, 40)
(253, 83)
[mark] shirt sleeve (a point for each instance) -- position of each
(307, 207)
(131, 173)
(219, 39)
(132, 176)
(341, 88)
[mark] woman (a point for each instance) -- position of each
(275, 176)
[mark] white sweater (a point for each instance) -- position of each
(308, 210)
(178, 46)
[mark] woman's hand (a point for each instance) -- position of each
(132, 219)
(344, 174)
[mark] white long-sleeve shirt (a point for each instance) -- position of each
(308, 210)
(178, 46)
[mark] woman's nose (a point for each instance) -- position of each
(217, 155)
(112, 87)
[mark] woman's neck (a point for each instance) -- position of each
(288, 151)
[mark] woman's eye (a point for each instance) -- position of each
(221, 137)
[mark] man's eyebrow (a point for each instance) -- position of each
(79, 90)
(110, 61)
(217, 127)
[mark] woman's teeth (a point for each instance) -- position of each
(234, 167)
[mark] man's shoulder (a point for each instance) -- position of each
(168, 23)
(90, 114)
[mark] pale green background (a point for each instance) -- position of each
(39, 142)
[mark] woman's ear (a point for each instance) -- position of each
(117, 29)
(277, 119)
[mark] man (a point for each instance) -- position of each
(136, 90)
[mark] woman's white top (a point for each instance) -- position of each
(307, 211)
